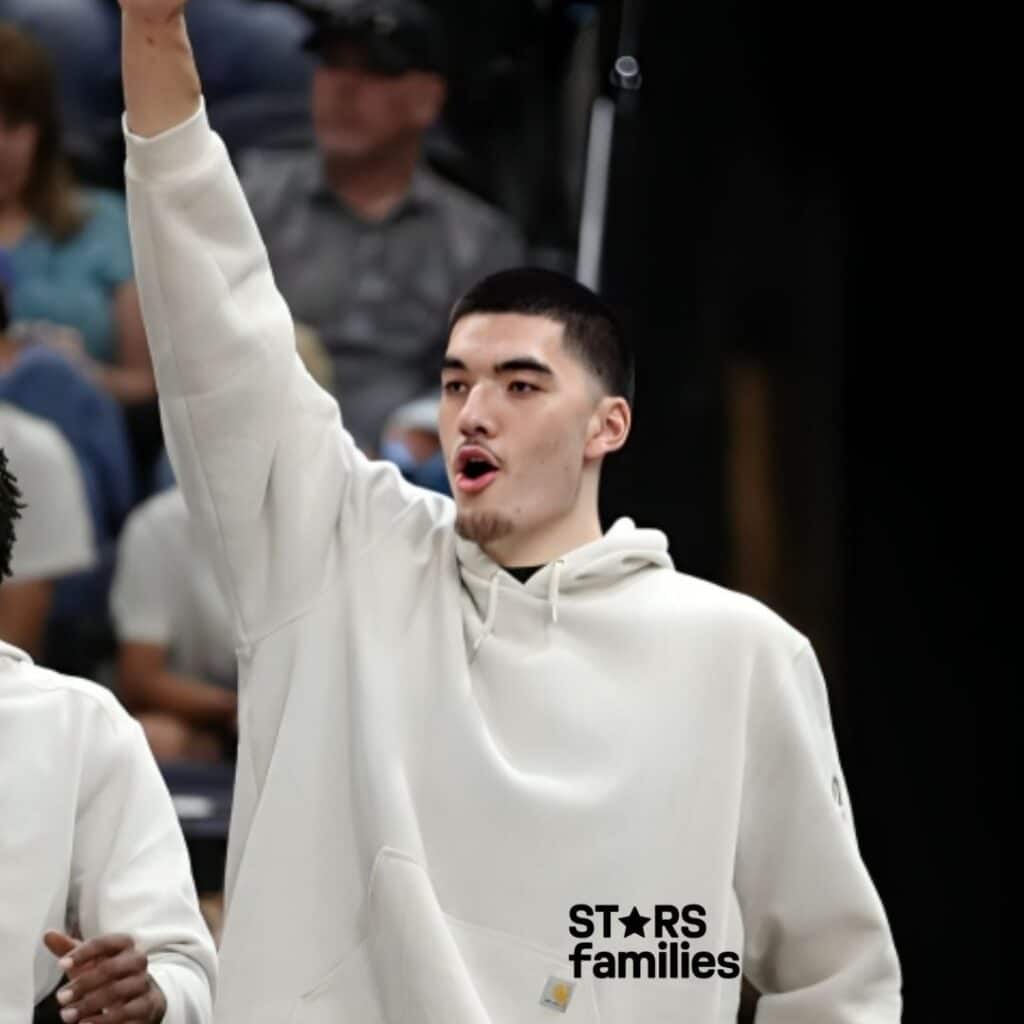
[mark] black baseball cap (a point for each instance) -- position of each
(392, 36)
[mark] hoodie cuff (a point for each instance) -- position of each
(170, 153)
(188, 997)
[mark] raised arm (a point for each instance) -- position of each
(161, 83)
(276, 484)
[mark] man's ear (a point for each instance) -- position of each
(428, 92)
(609, 427)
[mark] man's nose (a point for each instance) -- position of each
(476, 415)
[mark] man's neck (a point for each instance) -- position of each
(546, 544)
(374, 186)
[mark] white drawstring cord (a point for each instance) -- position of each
(553, 589)
(492, 603)
(492, 613)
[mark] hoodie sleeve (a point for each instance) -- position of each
(130, 870)
(275, 481)
(817, 943)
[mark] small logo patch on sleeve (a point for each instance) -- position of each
(557, 993)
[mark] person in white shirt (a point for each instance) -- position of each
(494, 764)
(95, 881)
(57, 536)
(176, 662)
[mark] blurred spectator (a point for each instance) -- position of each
(43, 382)
(411, 441)
(54, 534)
(69, 246)
(176, 666)
(46, 384)
(244, 48)
(368, 245)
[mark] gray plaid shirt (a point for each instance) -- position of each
(379, 294)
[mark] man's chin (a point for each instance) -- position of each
(344, 148)
(483, 526)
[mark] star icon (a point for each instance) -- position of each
(634, 923)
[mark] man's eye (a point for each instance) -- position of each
(452, 386)
(522, 384)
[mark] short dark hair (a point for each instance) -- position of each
(10, 509)
(593, 332)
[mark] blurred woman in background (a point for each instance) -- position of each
(68, 245)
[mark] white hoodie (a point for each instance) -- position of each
(437, 763)
(89, 843)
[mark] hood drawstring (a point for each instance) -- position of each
(492, 613)
(492, 603)
(622, 551)
(553, 588)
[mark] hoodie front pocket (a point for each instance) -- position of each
(521, 983)
(433, 968)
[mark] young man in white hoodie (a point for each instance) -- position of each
(461, 798)
(95, 882)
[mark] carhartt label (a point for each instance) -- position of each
(557, 993)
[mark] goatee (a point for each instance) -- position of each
(483, 527)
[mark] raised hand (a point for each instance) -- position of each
(161, 83)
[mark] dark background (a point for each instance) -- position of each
(794, 191)
(795, 231)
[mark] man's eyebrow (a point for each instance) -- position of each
(523, 363)
(507, 366)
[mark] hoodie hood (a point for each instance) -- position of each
(14, 653)
(623, 550)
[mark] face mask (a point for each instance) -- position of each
(430, 474)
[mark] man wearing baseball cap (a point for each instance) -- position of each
(368, 245)
(395, 35)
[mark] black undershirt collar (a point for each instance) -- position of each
(523, 572)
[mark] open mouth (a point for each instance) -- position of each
(475, 473)
(477, 468)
